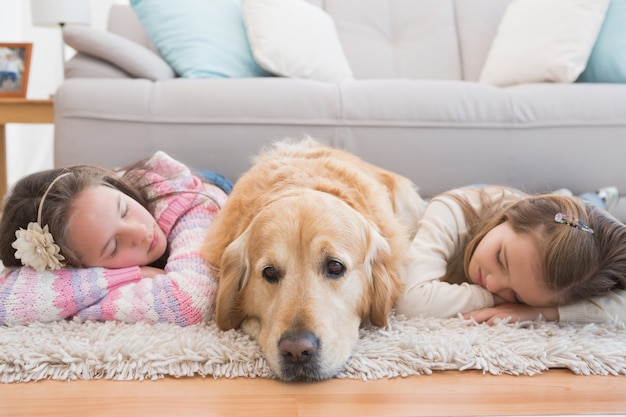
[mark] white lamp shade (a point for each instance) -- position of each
(56, 12)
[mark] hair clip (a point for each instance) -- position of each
(572, 221)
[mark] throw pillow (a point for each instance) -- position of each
(133, 58)
(296, 39)
(543, 40)
(607, 63)
(199, 38)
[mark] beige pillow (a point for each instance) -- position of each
(296, 39)
(133, 58)
(543, 41)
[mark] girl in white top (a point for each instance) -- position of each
(495, 252)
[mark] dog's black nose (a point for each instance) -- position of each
(298, 347)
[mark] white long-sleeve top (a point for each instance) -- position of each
(442, 232)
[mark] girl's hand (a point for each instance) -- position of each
(497, 300)
(150, 272)
(516, 312)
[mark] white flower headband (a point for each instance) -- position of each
(35, 246)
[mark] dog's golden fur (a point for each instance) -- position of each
(308, 247)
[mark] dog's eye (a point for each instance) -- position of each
(334, 268)
(271, 274)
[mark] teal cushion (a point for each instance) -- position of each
(607, 63)
(199, 38)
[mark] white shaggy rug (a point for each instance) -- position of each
(110, 350)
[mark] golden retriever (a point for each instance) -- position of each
(309, 246)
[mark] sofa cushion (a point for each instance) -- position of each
(133, 58)
(398, 38)
(199, 38)
(607, 63)
(543, 40)
(477, 24)
(295, 39)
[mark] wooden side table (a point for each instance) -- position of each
(19, 110)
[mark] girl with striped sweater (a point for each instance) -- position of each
(98, 244)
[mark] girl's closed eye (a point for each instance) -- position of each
(115, 246)
(499, 258)
(125, 209)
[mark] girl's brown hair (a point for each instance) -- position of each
(22, 203)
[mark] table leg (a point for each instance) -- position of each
(3, 161)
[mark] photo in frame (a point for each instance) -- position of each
(14, 68)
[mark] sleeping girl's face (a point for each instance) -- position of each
(107, 228)
(507, 264)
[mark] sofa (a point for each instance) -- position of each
(414, 100)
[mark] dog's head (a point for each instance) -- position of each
(302, 277)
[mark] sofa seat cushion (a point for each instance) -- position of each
(423, 102)
(420, 103)
(204, 101)
(545, 105)
(384, 103)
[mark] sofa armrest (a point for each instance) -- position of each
(130, 57)
(86, 66)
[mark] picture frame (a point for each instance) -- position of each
(14, 68)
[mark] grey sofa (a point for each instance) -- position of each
(415, 107)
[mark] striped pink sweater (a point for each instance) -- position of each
(184, 295)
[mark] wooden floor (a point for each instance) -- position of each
(448, 393)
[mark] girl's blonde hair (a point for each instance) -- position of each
(576, 264)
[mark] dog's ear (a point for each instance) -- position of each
(230, 222)
(234, 273)
(408, 205)
(220, 234)
(385, 284)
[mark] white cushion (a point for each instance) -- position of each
(295, 39)
(543, 40)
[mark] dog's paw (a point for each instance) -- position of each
(251, 327)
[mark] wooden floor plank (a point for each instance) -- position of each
(448, 393)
